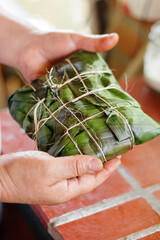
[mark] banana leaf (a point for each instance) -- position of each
(79, 108)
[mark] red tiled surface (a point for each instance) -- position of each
(154, 236)
(148, 99)
(113, 223)
(157, 194)
(114, 186)
(143, 161)
(13, 137)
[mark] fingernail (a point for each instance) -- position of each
(119, 157)
(95, 165)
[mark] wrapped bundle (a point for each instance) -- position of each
(79, 108)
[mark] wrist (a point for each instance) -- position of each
(2, 180)
(7, 190)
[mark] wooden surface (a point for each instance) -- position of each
(127, 204)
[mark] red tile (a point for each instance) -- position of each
(148, 99)
(143, 161)
(157, 194)
(113, 223)
(112, 187)
(154, 236)
(13, 137)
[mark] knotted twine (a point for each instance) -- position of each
(38, 124)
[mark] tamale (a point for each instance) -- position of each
(78, 107)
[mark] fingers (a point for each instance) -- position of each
(88, 182)
(94, 43)
(71, 166)
(49, 48)
(108, 169)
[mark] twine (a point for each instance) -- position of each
(67, 131)
(133, 140)
(82, 76)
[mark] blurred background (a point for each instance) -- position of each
(137, 53)
(131, 19)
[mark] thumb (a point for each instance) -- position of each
(72, 166)
(61, 44)
(94, 43)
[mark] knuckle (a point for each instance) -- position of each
(74, 167)
(79, 167)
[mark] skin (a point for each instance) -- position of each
(35, 177)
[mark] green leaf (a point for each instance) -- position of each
(85, 98)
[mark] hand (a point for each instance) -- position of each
(22, 47)
(37, 178)
(37, 52)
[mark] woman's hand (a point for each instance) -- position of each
(31, 52)
(35, 177)
(37, 52)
